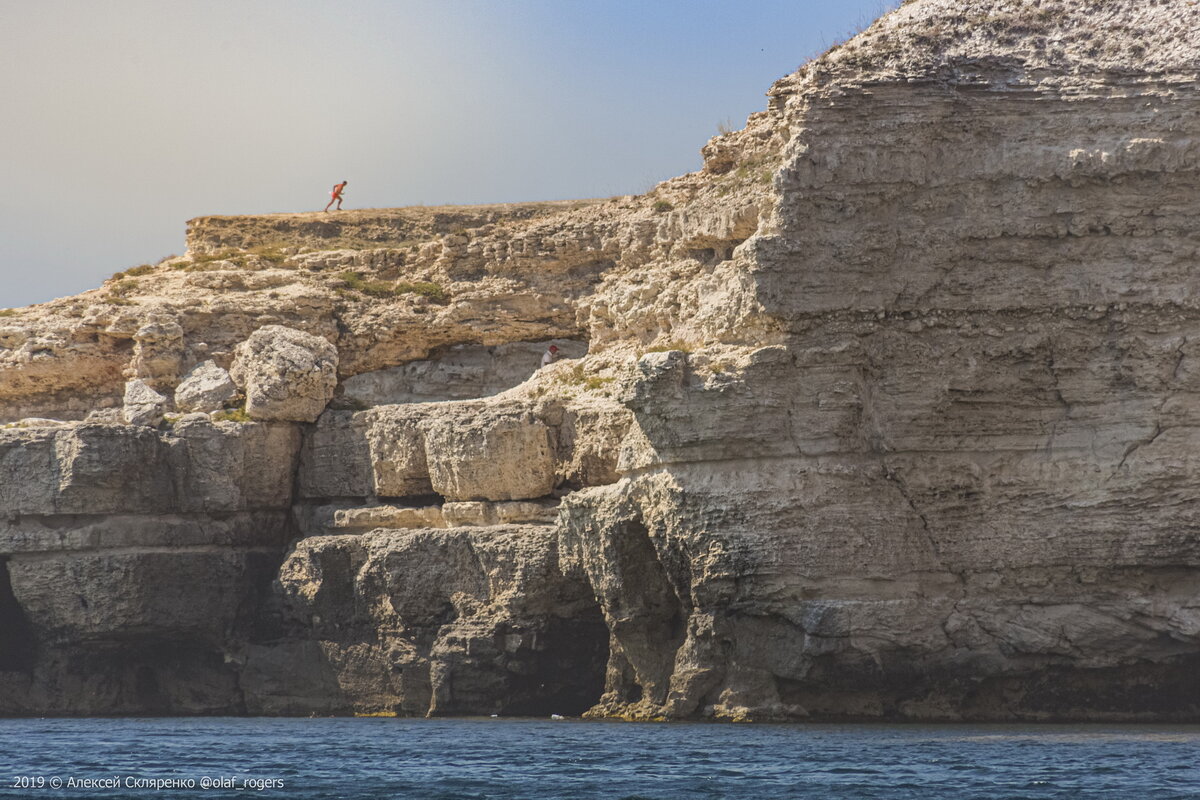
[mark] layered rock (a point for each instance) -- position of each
(431, 622)
(883, 414)
(462, 372)
(132, 559)
(984, 329)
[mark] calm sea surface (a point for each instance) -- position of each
(503, 759)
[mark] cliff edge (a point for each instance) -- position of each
(886, 413)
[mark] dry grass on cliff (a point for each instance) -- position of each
(259, 255)
(133, 272)
(353, 280)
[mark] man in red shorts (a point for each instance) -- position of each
(336, 194)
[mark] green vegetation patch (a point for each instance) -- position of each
(232, 415)
(355, 281)
(123, 287)
(272, 254)
(577, 376)
(133, 272)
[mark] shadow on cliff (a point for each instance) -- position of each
(428, 622)
(17, 653)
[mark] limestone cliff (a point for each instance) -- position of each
(888, 412)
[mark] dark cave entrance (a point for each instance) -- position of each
(567, 675)
(649, 618)
(16, 634)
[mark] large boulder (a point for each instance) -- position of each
(143, 405)
(286, 374)
(489, 455)
(206, 388)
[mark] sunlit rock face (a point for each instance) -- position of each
(958, 481)
(886, 413)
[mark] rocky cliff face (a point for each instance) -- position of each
(885, 413)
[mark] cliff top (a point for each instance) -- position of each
(393, 285)
(366, 227)
(925, 38)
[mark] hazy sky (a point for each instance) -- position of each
(124, 118)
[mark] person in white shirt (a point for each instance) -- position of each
(550, 355)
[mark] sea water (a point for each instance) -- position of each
(505, 759)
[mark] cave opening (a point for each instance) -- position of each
(147, 692)
(17, 645)
(649, 618)
(568, 669)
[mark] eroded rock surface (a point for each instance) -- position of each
(206, 388)
(143, 405)
(886, 413)
(463, 372)
(286, 374)
(478, 620)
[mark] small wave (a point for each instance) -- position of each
(515, 760)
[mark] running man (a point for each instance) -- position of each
(336, 194)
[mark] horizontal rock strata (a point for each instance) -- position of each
(886, 413)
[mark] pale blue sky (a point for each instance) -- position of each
(124, 118)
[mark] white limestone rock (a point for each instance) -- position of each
(286, 374)
(398, 459)
(365, 519)
(482, 514)
(206, 388)
(490, 456)
(923, 443)
(143, 405)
